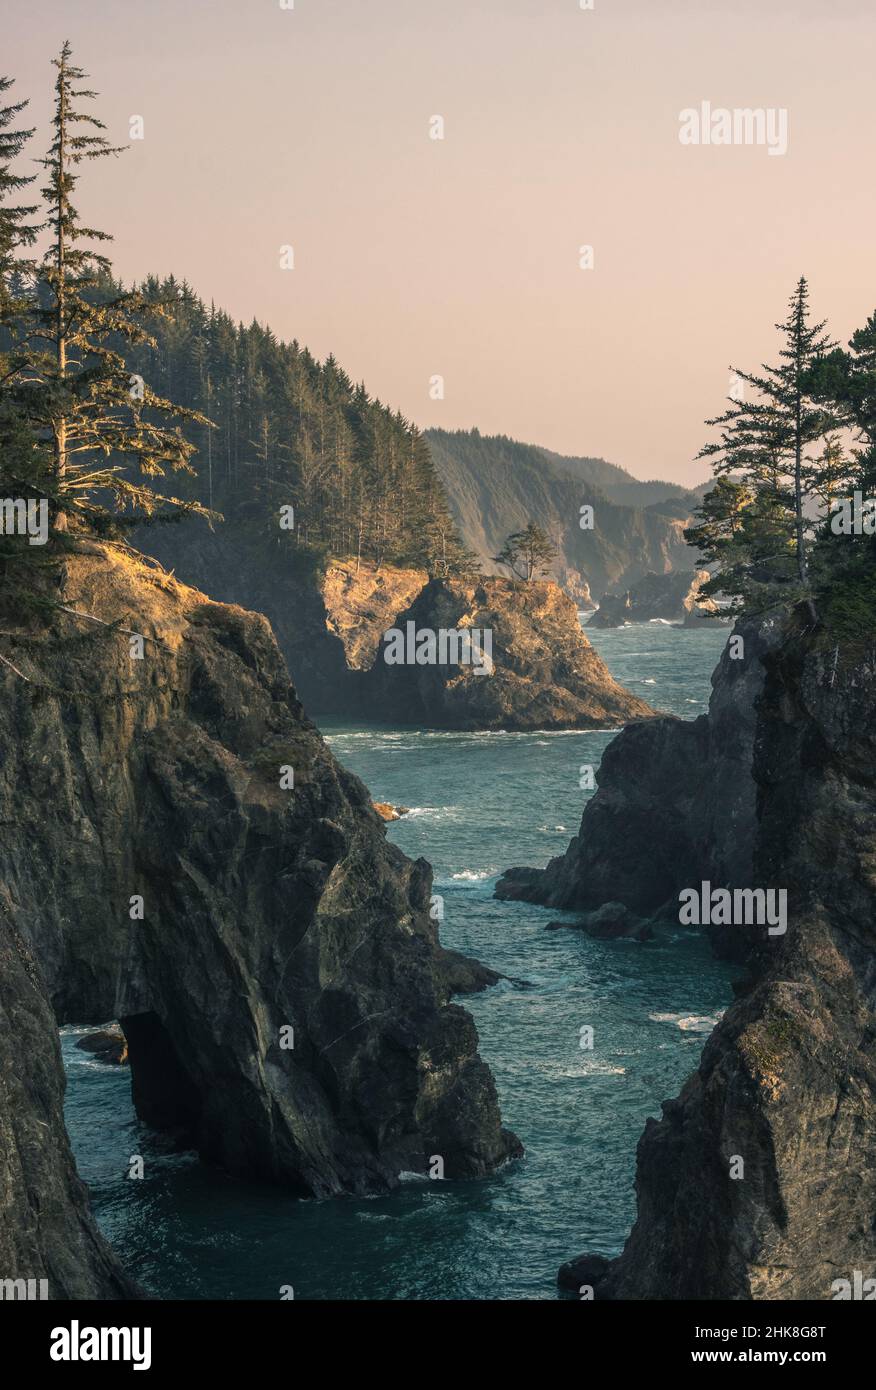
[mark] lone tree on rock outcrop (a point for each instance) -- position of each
(527, 553)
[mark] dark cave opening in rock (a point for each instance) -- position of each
(164, 1095)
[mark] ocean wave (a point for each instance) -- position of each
(690, 1023)
(587, 1066)
(82, 1060)
(77, 1030)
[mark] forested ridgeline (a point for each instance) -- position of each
(496, 485)
(288, 431)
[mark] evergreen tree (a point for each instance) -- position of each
(845, 383)
(20, 473)
(762, 452)
(82, 395)
(845, 564)
(527, 553)
(16, 229)
(831, 475)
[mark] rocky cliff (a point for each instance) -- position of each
(545, 673)
(330, 626)
(759, 1181)
(672, 598)
(179, 850)
(47, 1231)
(675, 804)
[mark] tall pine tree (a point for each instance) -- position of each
(20, 473)
(99, 419)
(757, 525)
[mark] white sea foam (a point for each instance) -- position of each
(81, 1061)
(699, 1023)
(586, 1067)
(689, 1023)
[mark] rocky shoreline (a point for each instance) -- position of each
(270, 956)
(759, 1181)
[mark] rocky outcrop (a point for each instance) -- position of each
(107, 1045)
(671, 598)
(330, 626)
(389, 813)
(759, 1181)
(611, 922)
(361, 602)
(543, 672)
(675, 804)
(280, 580)
(181, 851)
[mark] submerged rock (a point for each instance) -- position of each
(269, 954)
(390, 813)
(611, 922)
(108, 1045)
(584, 1275)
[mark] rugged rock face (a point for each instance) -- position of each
(545, 675)
(46, 1228)
(787, 1082)
(361, 603)
(572, 583)
(668, 597)
(330, 628)
(675, 804)
(160, 869)
(321, 648)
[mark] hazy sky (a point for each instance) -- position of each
(415, 257)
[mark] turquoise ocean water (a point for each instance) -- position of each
(480, 802)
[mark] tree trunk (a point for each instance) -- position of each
(60, 522)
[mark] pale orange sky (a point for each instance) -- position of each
(414, 257)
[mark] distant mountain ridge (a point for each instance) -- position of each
(495, 485)
(621, 486)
